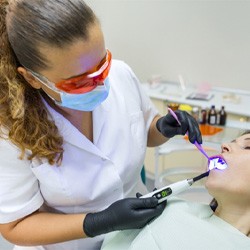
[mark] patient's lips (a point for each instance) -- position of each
(217, 162)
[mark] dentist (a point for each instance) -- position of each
(75, 125)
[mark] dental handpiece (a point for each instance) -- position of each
(164, 193)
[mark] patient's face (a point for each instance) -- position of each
(234, 181)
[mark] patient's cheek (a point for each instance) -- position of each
(238, 160)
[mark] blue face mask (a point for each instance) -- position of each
(86, 101)
(83, 102)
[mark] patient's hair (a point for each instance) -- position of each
(213, 204)
(246, 132)
(25, 26)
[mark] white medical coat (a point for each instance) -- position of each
(92, 175)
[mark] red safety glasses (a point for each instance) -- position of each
(87, 82)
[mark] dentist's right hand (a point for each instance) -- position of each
(128, 213)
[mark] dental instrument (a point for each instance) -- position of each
(200, 148)
(214, 161)
(164, 193)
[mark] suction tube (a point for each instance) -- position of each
(164, 193)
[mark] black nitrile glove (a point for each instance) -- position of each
(129, 213)
(169, 127)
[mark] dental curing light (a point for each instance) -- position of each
(164, 193)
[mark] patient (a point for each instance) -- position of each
(188, 225)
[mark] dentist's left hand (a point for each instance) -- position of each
(129, 213)
(169, 127)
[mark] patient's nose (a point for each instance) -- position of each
(225, 147)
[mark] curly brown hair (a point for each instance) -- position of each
(24, 25)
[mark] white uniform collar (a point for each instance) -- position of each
(72, 135)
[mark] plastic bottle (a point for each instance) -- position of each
(212, 116)
(203, 119)
(222, 116)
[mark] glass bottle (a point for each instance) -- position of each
(203, 119)
(222, 116)
(212, 116)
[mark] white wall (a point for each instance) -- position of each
(204, 41)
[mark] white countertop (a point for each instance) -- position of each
(236, 102)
